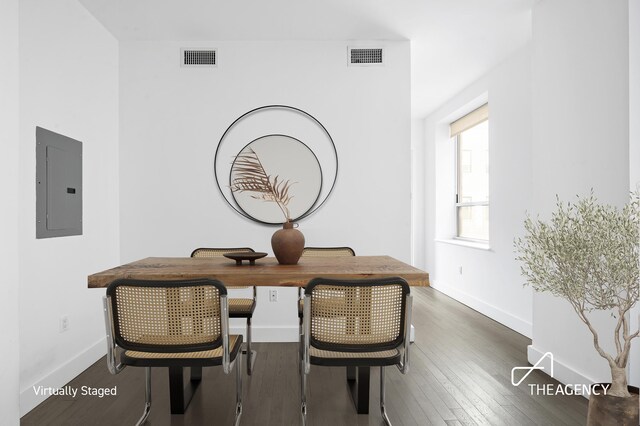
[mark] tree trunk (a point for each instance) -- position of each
(618, 382)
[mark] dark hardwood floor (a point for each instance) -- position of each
(460, 375)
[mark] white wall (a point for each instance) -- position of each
(172, 119)
(9, 133)
(634, 154)
(418, 196)
(68, 84)
(490, 281)
(580, 141)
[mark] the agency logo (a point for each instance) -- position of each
(551, 388)
(529, 370)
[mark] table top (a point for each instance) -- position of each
(266, 271)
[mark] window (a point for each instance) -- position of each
(471, 136)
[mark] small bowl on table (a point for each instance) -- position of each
(249, 255)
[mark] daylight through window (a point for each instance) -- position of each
(471, 136)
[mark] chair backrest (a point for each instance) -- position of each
(167, 316)
(357, 315)
(327, 251)
(218, 252)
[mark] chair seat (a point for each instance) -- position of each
(324, 357)
(185, 359)
(241, 307)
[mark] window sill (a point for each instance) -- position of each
(464, 243)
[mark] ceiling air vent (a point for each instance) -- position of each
(198, 57)
(366, 56)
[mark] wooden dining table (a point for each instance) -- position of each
(265, 272)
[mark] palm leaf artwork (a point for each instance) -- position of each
(250, 176)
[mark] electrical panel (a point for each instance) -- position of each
(58, 185)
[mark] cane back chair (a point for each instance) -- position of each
(239, 307)
(368, 327)
(181, 323)
(320, 252)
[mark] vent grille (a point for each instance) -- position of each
(199, 57)
(366, 56)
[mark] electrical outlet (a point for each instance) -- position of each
(64, 323)
(273, 295)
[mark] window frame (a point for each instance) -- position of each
(459, 204)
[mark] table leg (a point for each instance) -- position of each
(196, 374)
(180, 395)
(358, 379)
(351, 373)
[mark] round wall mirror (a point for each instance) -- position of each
(290, 145)
(275, 178)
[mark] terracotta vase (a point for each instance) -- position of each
(287, 244)
(612, 410)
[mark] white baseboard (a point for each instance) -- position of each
(493, 312)
(61, 375)
(561, 372)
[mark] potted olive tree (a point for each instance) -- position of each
(588, 253)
